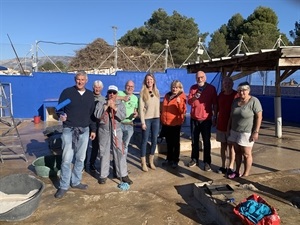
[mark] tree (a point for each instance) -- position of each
(230, 32)
(259, 35)
(49, 66)
(61, 65)
(181, 32)
(259, 31)
(92, 55)
(98, 55)
(217, 47)
(295, 34)
(144, 44)
(234, 30)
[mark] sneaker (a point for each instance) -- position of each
(222, 170)
(127, 180)
(174, 165)
(102, 180)
(60, 193)
(233, 175)
(229, 171)
(80, 186)
(192, 163)
(207, 167)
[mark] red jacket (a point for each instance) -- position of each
(202, 108)
(173, 112)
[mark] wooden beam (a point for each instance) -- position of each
(242, 74)
(286, 74)
(289, 62)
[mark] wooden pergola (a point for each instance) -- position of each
(284, 61)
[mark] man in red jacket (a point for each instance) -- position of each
(203, 101)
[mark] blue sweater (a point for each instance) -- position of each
(80, 110)
(254, 211)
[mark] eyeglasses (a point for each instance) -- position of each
(112, 92)
(151, 94)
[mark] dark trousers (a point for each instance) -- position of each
(203, 128)
(173, 142)
(94, 151)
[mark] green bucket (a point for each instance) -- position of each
(48, 166)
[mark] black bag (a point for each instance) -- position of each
(55, 142)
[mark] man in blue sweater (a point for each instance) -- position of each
(77, 121)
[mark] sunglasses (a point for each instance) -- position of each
(112, 92)
(151, 94)
(243, 89)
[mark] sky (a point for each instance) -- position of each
(25, 24)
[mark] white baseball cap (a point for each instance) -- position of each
(112, 88)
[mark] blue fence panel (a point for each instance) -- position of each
(30, 92)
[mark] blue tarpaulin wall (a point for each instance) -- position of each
(30, 92)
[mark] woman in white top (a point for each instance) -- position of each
(149, 103)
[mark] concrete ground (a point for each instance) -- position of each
(166, 195)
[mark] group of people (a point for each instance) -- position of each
(237, 116)
(108, 122)
(105, 120)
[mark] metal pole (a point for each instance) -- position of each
(166, 54)
(240, 45)
(116, 48)
(277, 105)
(20, 64)
(199, 50)
(116, 56)
(279, 41)
(36, 56)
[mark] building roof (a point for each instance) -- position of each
(283, 58)
(284, 61)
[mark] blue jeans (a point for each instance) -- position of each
(68, 175)
(127, 134)
(153, 129)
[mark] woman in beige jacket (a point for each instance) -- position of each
(149, 103)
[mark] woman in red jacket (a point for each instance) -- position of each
(172, 117)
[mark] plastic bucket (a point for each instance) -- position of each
(48, 166)
(36, 119)
(21, 184)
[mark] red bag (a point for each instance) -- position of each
(272, 219)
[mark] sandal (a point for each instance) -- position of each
(233, 175)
